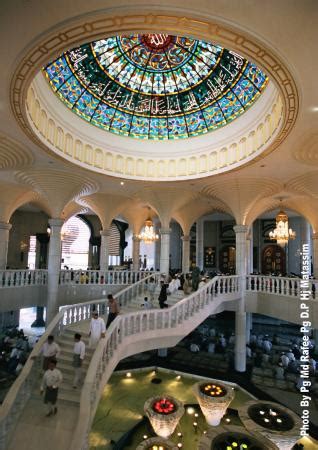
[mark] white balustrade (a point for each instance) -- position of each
(22, 278)
(278, 285)
(110, 277)
(141, 326)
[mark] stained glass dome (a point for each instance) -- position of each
(155, 86)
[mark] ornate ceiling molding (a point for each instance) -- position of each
(13, 155)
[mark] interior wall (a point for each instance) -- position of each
(24, 225)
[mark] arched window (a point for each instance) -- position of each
(114, 245)
(75, 236)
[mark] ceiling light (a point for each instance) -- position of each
(281, 234)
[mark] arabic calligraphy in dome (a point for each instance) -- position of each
(155, 86)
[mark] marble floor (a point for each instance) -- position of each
(35, 431)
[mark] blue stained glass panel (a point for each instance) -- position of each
(155, 86)
(86, 105)
(103, 115)
(214, 117)
(139, 126)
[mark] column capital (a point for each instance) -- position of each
(240, 229)
(5, 226)
(165, 231)
(58, 223)
(136, 238)
(185, 238)
(315, 236)
(105, 232)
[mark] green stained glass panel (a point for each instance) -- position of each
(155, 86)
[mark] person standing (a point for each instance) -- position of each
(50, 350)
(146, 304)
(151, 287)
(51, 381)
(97, 330)
(113, 310)
(187, 285)
(78, 357)
(195, 276)
(163, 295)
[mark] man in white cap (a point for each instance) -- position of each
(97, 330)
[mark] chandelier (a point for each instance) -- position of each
(148, 234)
(282, 233)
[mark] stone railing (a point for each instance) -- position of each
(22, 278)
(22, 388)
(101, 277)
(127, 327)
(278, 285)
(144, 330)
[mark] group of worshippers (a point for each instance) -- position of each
(288, 360)
(53, 377)
(188, 283)
(14, 350)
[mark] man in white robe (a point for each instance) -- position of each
(97, 330)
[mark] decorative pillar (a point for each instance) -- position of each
(249, 325)
(249, 252)
(104, 250)
(199, 243)
(136, 252)
(157, 253)
(240, 314)
(185, 253)
(42, 242)
(54, 267)
(4, 239)
(165, 250)
(315, 254)
(218, 246)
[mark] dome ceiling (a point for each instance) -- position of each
(155, 86)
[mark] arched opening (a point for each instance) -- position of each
(75, 236)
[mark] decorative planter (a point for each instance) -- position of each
(164, 413)
(214, 399)
(232, 437)
(274, 422)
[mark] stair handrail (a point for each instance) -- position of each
(107, 354)
(20, 391)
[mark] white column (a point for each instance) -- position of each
(54, 266)
(104, 250)
(136, 252)
(240, 314)
(4, 239)
(249, 323)
(315, 255)
(199, 243)
(185, 253)
(165, 250)
(249, 252)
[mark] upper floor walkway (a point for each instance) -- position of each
(277, 297)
